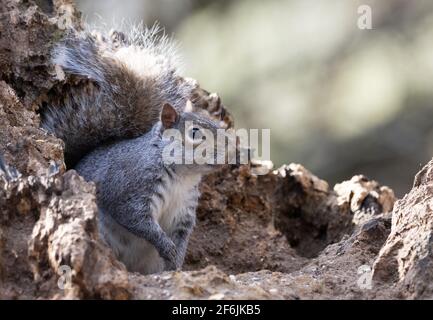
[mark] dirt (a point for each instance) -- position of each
(283, 235)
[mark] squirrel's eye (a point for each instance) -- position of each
(195, 134)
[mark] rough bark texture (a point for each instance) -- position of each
(285, 234)
(407, 255)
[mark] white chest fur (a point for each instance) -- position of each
(176, 195)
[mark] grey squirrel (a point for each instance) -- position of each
(113, 134)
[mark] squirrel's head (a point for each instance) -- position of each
(194, 141)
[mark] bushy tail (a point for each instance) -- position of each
(79, 56)
(125, 86)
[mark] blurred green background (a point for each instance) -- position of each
(339, 100)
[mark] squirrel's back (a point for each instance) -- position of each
(122, 83)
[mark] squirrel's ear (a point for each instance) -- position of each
(188, 106)
(169, 116)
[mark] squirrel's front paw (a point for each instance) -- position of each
(176, 264)
(170, 257)
(170, 265)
